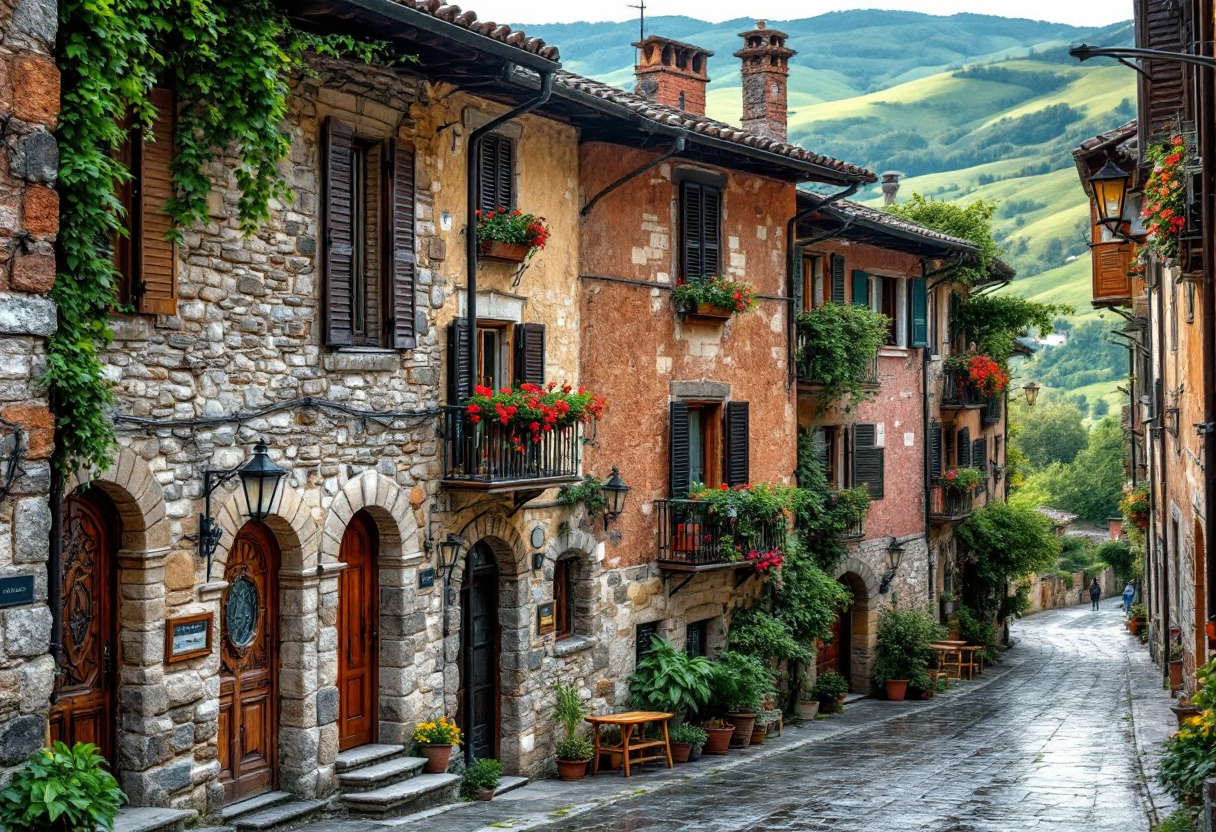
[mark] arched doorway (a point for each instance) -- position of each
(358, 637)
(87, 686)
(480, 645)
(855, 635)
(249, 624)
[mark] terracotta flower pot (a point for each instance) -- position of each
(1135, 625)
(744, 723)
(718, 740)
(512, 252)
(680, 752)
(437, 757)
(1183, 712)
(759, 734)
(1176, 674)
(485, 794)
(808, 708)
(897, 689)
(572, 769)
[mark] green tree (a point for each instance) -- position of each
(972, 223)
(1091, 485)
(1048, 433)
(1002, 543)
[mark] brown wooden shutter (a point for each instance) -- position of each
(837, 295)
(155, 284)
(868, 461)
(1160, 24)
(964, 448)
(530, 354)
(691, 225)
(738, 467)
(339, 234)
(1111, 264)
(404, 276)
(679, 453)
(935, 450)
(459, 347)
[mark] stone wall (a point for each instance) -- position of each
(29, 222)
(1051, 592)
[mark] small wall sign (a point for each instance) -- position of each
(426, 578)
(546, 622)
(16, 590)
(188, 637)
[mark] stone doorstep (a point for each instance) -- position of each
(148, 819)
(413, 795)
(510, 784)
(380, 775)
(235, 811)
(366, 755)
(281, 815)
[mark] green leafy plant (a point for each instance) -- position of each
(1190, 755)
(994, 323)
(574, 748)
(670, 680)
(481, 775)
(722, 292)
(1139, 612)
(972, 222)
(837, 343)
(690, 734)
(61, 790)
(515, 227)
(1002, 543)
(568, 708)
(739, 683)
(904, 637)
(977, 631)
(1165, 195)
(829, 685)
(748, 510)
(588, 492)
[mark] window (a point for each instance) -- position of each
(563, 597)
(825, 442)
(979, 455)
(496, 173)
(493, 356)
(644, 635)
(700, 231)
(370, 266)
(887, 295)
(869, 468)
(936, 451)
(964, 448)
(954, 308)
(145, 260)
(696, 638)
(948, 457)
(506, 354)
(709, 445)
(812, 282)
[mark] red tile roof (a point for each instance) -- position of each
(468, 20)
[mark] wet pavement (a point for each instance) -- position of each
(1061, 736)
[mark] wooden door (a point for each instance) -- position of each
(825, 654)
(844, 645)
(249, 623)
(358, 614)
(85, 690)
(481, 645)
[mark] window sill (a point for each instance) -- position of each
(894, 352)
(571, 645)
(361, 359)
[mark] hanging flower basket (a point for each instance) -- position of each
(510, 235)
(511, 252)
(714, 299)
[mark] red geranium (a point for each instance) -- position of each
(532, 410)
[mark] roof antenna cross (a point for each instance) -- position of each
(641, 7)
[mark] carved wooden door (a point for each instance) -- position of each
(481, 643)
(249, 623)
(85, 691)
(358, 614)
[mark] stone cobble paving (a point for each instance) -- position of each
(1047, 740)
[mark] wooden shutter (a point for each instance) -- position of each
(403, 279)
(680, 453)
(738, 468)
(711, 216)
(1111, 263)
(948, 454)
(700, 230)
(964, 448)
(952, 312)
(918, 306)
(868, 460)
(1160, 24)
(837, 293)
(459, 348)
(530, 354)
(979, 454)
(819, 448)
(155, 284)
(339, 234)
(800, 273)
(496, 174)
(861, 288)
(935, 450)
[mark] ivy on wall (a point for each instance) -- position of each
(228, 62)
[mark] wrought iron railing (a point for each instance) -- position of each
(806, 360)
(993, 408)
(690, 535)
(489, 453)
(956, 392)
(950, 504)
(856, 529)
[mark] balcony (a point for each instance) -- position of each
(482, 456)
(949, 505)
(993, 410)
(691, 539)
(806, 363)
(856, 530)
(957, 394)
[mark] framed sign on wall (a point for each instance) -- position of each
(546, 622)
(188, 637)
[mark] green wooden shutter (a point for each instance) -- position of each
(738, 467)
(459, 345)
(964, 448)
(403, 279)
(339, 254)
(861, 288)
(919, 310)
(979, 454)
(837, 295)
(679, 451)
(868, 460)
(530, 354)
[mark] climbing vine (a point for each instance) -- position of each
(972, 223)
(229, 63)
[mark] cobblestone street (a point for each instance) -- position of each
(1046, 740)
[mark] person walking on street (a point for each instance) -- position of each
(1129, 595)
(1095, 592)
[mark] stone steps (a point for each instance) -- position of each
(366, 755)
(422, 791)
(148, 819)
(379, 775)
(253, 805)
(280, 815)
(510, 784)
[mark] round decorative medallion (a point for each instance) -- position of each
(241, 612)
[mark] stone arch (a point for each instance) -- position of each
(497, 532)
(137, 495)
(387, 504)
(573, 540)
(292, 523)
(862, 635)
(585, 551)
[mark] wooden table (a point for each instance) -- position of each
(950, 657)
(627, 722)
(974, 661)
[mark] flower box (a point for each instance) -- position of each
(707, 313)
(510, 252)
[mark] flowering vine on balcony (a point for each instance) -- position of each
(530, 410)
(960, 481)
(1165, 196)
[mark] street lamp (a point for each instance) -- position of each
(260, 480)
(1109, 186)
(896, 551)
(1032, 392)
(614, 491)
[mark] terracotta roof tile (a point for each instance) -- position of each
(1111, 138)
(873, 215)
(468, 20)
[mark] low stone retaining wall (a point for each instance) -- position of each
(1050, 592)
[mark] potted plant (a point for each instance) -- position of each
(481, 779)
(435, 740)
(830, 689)
(904, 637)
(760, 729)
(1138, 616)
(714, 298)
(684, 739)
(739, 685)
(1175, 666)
(530, 411)
(670, 680)
(573, 752)
(510, 235)
(61, 789)
(947, 601)
(1135, 506)
(979, 373)
(717, 736)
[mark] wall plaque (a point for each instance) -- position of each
(188, 637)
(16, 590)
(545, 620)
(426, 578)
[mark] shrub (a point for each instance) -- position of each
(975, 630)
(481, 775)
(689, 734)
(839, 342)
(575, 748)
(739, 683)
(1118, 555)
(904, 637)
(830, 685)
(61, 790)
(670, 681)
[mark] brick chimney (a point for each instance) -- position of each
(672, 73)
(766, 69)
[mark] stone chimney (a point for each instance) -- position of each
(766, 69)
(672, 73)
(890, 186)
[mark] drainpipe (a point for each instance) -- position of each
(1159, 449)
(1207, 150)
(54, 571)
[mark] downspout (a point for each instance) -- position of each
(54, 572)
(470, 250)
(1207, 150)
(1159, 449)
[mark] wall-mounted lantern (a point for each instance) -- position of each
(260, 479)
(614, 491)
(895, 550)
